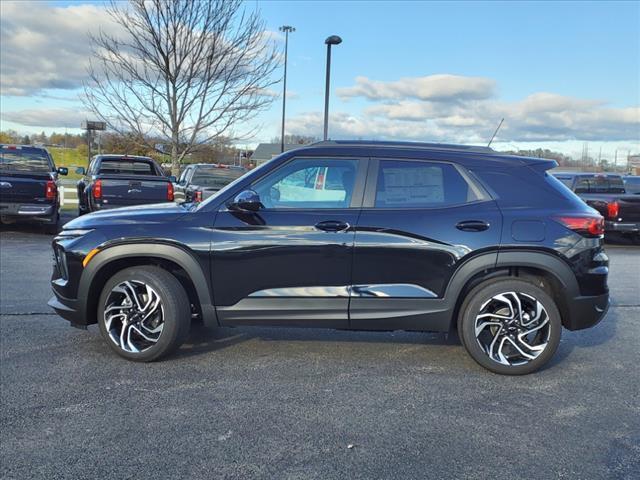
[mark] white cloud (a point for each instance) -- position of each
(464, 110)
(431, 87)
(48, 117)
(44, 46)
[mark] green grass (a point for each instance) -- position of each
(70, 158)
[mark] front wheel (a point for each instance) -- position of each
(144, 313)
(510, 326)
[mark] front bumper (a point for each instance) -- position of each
(67, 309)
(585, 312)
(622, 227)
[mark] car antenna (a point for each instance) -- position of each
(495, 133)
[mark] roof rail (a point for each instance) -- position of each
(416, 145)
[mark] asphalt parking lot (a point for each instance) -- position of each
(285, 403)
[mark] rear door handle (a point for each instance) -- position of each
(332, 226)
(473, 226)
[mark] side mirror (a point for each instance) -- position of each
(81, 171)
(63, 170)
(247, 200)
(172, 179)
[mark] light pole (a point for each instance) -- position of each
(286, 29)
(332, 40)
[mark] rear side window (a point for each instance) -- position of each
(27, 160)
(414, 184)
(599, 184)
(126, 167)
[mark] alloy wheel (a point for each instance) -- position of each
(512, 328)
(134, 316)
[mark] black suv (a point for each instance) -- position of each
(349, 235)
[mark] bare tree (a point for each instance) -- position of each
(185, 71)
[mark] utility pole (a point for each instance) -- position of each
(286, 29)
(332, 40)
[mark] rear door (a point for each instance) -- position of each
(420, 220)
(290, 262)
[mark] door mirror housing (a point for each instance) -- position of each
(247, 200)
(63, 171)
(81, 170)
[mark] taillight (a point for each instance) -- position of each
(198, 197)
(97, 190)
(170, 191)
(50, 190)
(586, 226)
(613, 209)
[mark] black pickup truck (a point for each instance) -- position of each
(114, 181)
(199, 181)
(29, 186)
(607, 193)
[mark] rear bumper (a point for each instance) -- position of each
(585, 312)
(34, 211)
(622, 227)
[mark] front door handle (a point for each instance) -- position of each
(332, 226)
(473, 226)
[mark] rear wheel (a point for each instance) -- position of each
(144, 313)
(510, 326)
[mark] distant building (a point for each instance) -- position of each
(634, 164)
(266, 151)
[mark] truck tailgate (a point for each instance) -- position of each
(19, 188)
(133, 190)
(629, 208)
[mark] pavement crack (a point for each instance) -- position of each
(22, 314)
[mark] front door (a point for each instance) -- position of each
(290, 263)
(420, 220)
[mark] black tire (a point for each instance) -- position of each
(482, 295)
(175, 310)
(53, 227)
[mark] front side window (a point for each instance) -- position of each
(309, 183)
(183, 178)
(414, 184)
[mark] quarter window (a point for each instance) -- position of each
(309, 183)
(407, 184)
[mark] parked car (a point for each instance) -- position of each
(417, 237)
(632, 184)
(29, 186)
(607, 193)
(114, 181)
(199, 181)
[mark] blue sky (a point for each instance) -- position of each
(574, 67)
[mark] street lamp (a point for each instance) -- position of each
(332, 40)
(286, 29)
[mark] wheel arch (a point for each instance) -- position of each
(545, 269)
(114, 258)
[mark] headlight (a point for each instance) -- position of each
(73, 233)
